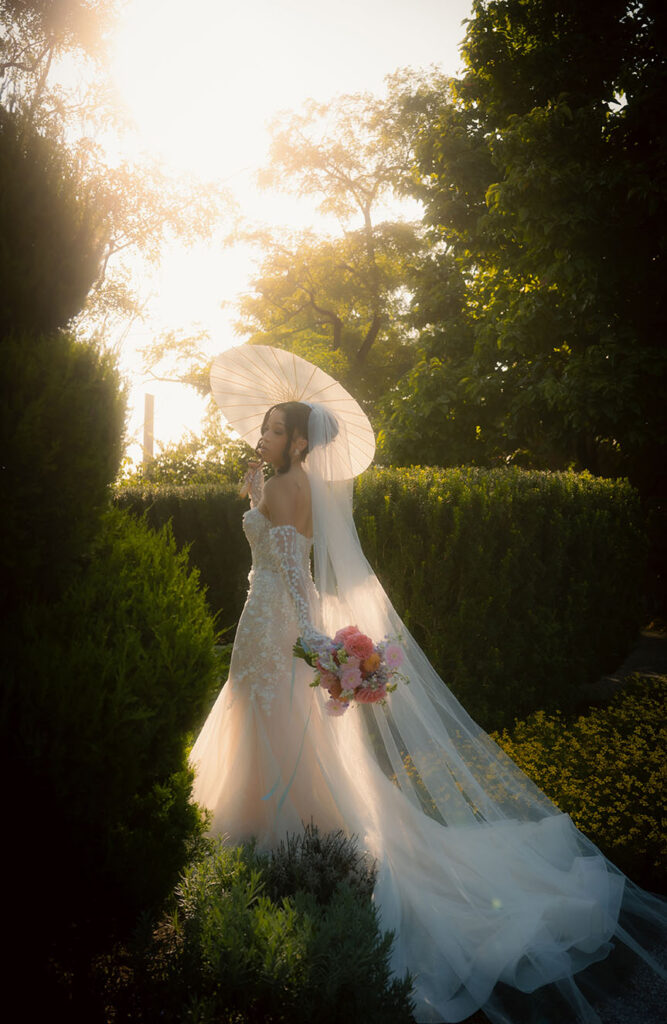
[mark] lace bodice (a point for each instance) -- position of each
(257, 529)
(269, 624)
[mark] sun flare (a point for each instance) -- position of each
(201, 84)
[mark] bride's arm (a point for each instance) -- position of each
(279, 502)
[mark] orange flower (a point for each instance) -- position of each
(371, 663)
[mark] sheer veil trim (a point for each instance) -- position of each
(423, 720)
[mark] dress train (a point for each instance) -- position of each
(484, 907)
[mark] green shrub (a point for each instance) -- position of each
(318, 864)
(53, 231)
(101, 693)
(208, 519)
(210, 457)
(61, 424)
(520, 586)
(606, 769)
(234, 952)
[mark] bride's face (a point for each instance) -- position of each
(274, 440)
(275, 445)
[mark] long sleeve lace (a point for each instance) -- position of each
(284, 542)
(254, 483)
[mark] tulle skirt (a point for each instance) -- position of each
(481, 913)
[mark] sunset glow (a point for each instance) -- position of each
(201, 84)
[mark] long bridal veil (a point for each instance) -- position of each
(490, 889)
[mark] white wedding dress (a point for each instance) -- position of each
(256, 734)
(484, 905)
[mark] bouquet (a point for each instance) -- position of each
(353, 668)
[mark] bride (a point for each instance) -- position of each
(496, 900)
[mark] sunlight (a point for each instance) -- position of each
(202, 81)
(201, 84)
(186, 85)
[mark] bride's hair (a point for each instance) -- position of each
(296, 415)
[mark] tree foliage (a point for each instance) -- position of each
(338, 298)
(543, 174)
(107, 645)
(136, 206)
(212, 456)
(352, 152)
(53, 230)
(100, 692)
(61, 423)
(348, 292)
(36, 34)
(337, 301)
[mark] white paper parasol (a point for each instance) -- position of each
(248, 379)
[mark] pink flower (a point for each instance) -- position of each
(359, 645)
(365, 695)
(327, 679)
(335, 707)
(343, 633)
(351, 676)
(393, 656)
(351, 668)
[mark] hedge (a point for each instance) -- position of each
(520, 586)
(100, 694)
(207, 519)
(61, 424)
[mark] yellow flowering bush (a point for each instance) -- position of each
(606, 769)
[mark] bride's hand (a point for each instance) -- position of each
(246, 483)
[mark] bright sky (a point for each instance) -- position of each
(201, 83)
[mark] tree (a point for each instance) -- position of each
(54, 233)
(342, 299)
(36, 34)
(331, 150)
(337, 299)
(332, 301)
(137, 206)
(543, 177)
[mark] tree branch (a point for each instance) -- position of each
(371, 335)
(331, 317)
